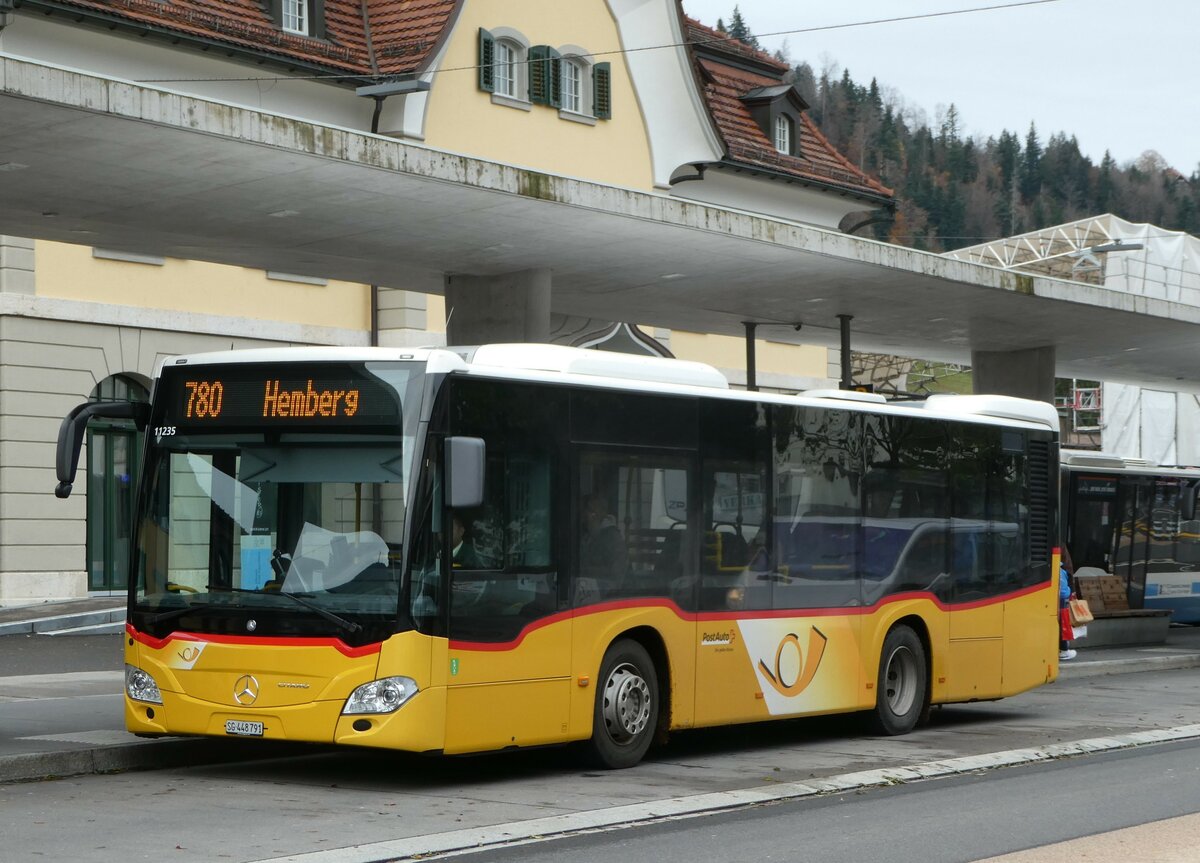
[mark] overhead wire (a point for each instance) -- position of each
(620, 51)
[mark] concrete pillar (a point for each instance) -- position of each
(1028, 374)
(513, 307)
(16, 265)
(402, 318)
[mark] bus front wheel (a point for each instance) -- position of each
(902, 690)
(627, 706)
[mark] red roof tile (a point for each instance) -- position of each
(402, 33)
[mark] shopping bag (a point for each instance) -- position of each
(1065, 631)
(1081, 613)
(1079, 631)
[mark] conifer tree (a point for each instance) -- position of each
(739, 30)
(1031, 173)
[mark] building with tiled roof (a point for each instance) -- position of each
(627, 96)
(765, 129)
(762, 119)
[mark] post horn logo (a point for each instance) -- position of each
(809, 663)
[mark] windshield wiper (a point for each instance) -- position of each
(180, 612)
(348, 625)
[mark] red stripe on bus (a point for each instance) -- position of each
(260, 640)
(764, 614)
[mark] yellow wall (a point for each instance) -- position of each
(70, 272)
(613, 151)
(769, 357)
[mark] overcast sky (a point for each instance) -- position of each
(1119, 76)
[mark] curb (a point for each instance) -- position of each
(143, 755)
(677, 808)
(1098, 667)
(57, 622)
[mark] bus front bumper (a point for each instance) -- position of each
(416, 726)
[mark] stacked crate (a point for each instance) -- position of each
(1103, 593)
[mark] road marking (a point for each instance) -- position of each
(557, 826)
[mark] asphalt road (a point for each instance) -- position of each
(330, 801)
(42, 654)
(941, 821)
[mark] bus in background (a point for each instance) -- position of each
(1138, 521)
(452, 551)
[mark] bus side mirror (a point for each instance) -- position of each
(465, 458)
(70, 435)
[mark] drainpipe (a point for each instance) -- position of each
(846, 383)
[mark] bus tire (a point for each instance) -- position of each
(625, 718)
(902, 688)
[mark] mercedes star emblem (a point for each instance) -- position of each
(245, 691)
(251, 625)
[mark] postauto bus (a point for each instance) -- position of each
(449, 551)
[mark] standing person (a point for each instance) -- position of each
(1065, 650)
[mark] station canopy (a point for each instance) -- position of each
(120, 166)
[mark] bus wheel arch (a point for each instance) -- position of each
(903, 678)
(630, 708)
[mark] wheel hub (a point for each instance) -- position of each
(626, 704)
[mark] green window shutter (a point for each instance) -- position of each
(554, 79)
(602, 91)
(487, 61)
(539, 90)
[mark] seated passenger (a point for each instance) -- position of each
(602, 554)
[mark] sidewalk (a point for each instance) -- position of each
(61, 704)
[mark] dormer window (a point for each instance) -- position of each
(295, 16)
(783, 133)
(777, 109)
(299, 17)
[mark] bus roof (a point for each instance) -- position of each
(1100, 461)
(589, 367)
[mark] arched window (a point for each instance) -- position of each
(783, 134)
(507, 68)
(114, 456)
(504, 66)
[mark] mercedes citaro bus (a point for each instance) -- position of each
(462, 550)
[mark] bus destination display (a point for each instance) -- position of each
(312, 396)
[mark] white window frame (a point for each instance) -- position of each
(574, 88)
(784, 133)
(295, 16)
(507, 69)
(577, 58)
(515, 40)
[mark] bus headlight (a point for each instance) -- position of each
(381, 696)
(140, 686)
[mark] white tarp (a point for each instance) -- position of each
(1139, 423)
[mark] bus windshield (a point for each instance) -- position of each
(270, 527)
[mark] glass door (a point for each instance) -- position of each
(112, 479)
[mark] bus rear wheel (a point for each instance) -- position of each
(902, 690)
(627, 706)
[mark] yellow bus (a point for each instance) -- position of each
(452, 551)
